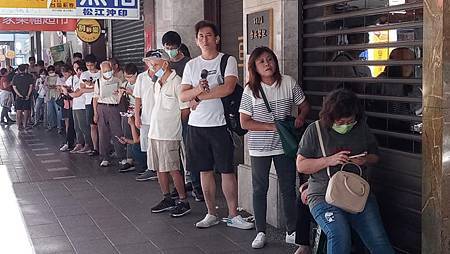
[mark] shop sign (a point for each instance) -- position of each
(10, 54)
(78, 9)
(62, 52)
(37, 24)
(2, 57)
(259, 30)
(88, 30)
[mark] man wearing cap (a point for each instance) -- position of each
(144, 101)
(106, 113)
(165, 133)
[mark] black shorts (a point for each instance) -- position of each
(90, 114)
(209, 148)
(22, 104)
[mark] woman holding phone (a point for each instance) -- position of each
(346, 138)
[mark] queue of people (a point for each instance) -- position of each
(168, 123)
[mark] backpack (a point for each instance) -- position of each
(232, 102)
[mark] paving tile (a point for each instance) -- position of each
(45, 230)
(183, 250)
(84, 233)
(54, 244)
(138, 248)
(35, 209)
(214, 242)
(98, 246)
(169, 240)
(40, 219)
(126, 236)
(68, 210)
(76, 221)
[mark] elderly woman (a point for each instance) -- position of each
(344, 133)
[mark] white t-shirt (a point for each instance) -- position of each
(283, 101)
(78, 102)
(106, 90)
(209, 113)
(88, 75)
(127, 85)
(166, 115)
(144, 89)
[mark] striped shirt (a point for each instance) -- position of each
(283, 100)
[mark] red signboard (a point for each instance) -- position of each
(37, 24)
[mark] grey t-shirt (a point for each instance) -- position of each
(357, 140)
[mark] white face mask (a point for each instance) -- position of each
(52, 74)
(108, 74)
(42, 76)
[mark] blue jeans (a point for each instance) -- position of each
(336, 224)
(139, 157)
(54, 114)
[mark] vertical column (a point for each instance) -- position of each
(436, 136)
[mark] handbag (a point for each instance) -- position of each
(346, 190)
(124, 102)
(290, 135)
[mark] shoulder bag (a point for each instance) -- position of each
(347, 191)
(289, 135)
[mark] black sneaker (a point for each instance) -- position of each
(174, 194)
(148, 175)
(198, 196)
(94, 153)
(181, 209)
(126, 168)
(166, 204)
(141, 170)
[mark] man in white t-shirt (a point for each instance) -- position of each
(144, 100)
(209, 145)
(88, 79)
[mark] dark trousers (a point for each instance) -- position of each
(109, 126)
(70, 134)
(285, 168)
(302, 229)
(139, 157)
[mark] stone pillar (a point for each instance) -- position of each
(179, 16)
(285, 46)
(436, 135)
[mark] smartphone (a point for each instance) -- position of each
(358, 155)
(118, 137)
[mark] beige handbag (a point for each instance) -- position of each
(345, 190)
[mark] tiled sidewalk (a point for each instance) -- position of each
(71, 205)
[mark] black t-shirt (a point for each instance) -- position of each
(22, 82)
(179, 66)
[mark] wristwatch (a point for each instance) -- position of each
(196, 99)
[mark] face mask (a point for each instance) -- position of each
(158, 74)
(344, 128)
(172, 52)
(42, 76)
(108, 74)
(52, 74)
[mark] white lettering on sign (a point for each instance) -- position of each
(93, 2)
(125, 3)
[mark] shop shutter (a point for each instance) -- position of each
(128, 40)
(349, 44)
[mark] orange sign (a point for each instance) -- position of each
(10, 54)
(37, 24)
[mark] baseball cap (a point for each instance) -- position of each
(156, 54)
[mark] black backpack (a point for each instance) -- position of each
(232, 102)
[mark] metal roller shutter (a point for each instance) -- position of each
(128, 40)
(374, 47)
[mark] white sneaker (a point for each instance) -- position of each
(290, 238)
(260, 241)
(104, 163)
(208, 221)
(64, 148)
(122, 162)
(239, 222)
